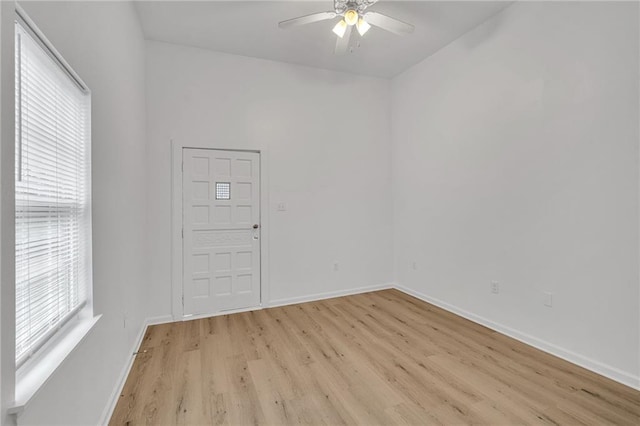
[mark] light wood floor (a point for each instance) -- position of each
(376, 358)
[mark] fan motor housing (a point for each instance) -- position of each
(342, 6)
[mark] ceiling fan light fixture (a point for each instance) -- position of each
(340, 28)
(363, 26)
(351, 17)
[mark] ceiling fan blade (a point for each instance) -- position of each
(343, 43)
(307, 19)
(388, 23)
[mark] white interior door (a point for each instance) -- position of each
(221, 230)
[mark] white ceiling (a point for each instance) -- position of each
(250, 28)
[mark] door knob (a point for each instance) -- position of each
(256, 226)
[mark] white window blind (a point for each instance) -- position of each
(53, 215)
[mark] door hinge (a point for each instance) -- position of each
(183, 233)
(182, 166)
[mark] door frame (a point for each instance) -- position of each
(177, 307)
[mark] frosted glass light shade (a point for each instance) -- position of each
(363, 26)
(340, 28)
(351, 17)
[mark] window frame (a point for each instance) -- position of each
(57, 343)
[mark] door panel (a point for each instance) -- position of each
(221, 247)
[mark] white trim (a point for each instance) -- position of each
(7, 211)
(37, 371)
(122, 378)
(572, 357)
(220, 313)
(40, 38)
(176, 223)
(328, 295)
(638, 235)
(176, 230)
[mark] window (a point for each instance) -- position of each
(53, 209)
(223, 191)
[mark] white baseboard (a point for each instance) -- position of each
(572, 357)
(327, 295)
(291, 301)
(217, 314)
(122, 378)
(158, 320)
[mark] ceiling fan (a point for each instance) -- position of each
(353, 14)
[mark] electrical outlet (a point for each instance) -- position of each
(282, 207)
(548, 299)
(336, 267)
(414, 266)
(495, 287)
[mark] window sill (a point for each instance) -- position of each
(32, 376)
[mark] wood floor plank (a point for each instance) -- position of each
(188, 400)
(377, 358)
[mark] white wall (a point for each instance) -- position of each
(103, 42)
(515, 158)
(326, 138)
